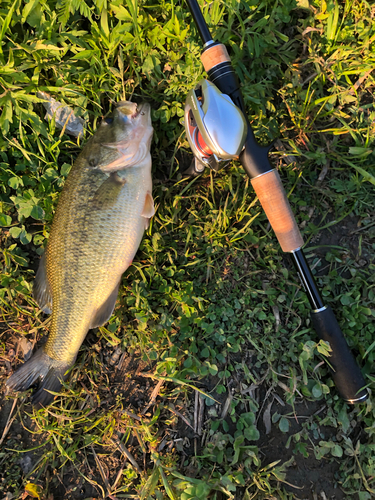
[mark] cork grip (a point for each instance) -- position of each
(215, 55)
(272, 197)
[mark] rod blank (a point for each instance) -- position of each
(200, 23)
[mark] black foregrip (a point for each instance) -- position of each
(346, 373)
(254, 158)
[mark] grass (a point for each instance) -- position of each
(211, 319)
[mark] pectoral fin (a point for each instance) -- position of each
(42, 290)
(148, 209)
(107, 194)
(105, 311)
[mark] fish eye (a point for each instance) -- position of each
(142, 113)
(108, 120)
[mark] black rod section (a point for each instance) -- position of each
(307, 279)
(346, 374)
(202, 27)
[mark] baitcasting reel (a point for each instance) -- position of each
(216, 129)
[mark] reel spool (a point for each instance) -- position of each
(216, 129)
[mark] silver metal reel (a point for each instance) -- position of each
(216, 129)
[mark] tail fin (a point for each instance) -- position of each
(49, 372)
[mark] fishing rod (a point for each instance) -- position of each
(218, 130)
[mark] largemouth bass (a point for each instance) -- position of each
(100, 219)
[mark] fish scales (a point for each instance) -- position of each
(96, 247)
(97, 228)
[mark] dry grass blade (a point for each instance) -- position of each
(267, 418)
(153, 397)
(9, 422)
(227, 404)
(116, 441)
(359, 82)
(119, 474)
(200, 415)
(196, 406)
(178, 414)
(131, 415)
(177, 381)
(102, 473)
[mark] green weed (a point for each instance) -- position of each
(209, 307)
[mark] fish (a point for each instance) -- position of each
(102, 213)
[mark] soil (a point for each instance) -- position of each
(308, 478)
(128, 377)
(346, 235)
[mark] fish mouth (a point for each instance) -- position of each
(132, 109)
(137, 111)
(142, 109)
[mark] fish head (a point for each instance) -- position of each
(123, 138)
(133, 123)
(127, 122)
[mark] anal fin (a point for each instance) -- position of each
(42, 289)
(104, 312)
